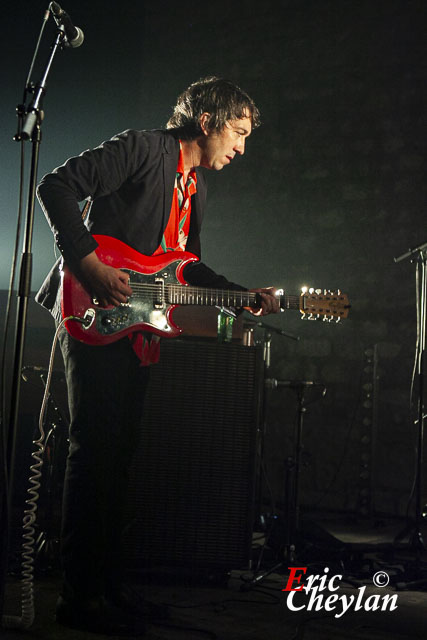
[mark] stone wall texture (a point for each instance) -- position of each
(331, 189)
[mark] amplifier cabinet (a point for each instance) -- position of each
(192, 482)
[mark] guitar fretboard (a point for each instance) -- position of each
(183, 294)
(178, 294)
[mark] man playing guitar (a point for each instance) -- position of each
(145, 190)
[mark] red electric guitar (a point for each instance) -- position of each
(158, 287)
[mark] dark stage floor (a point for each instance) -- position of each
(366, 551)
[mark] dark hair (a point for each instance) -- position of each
(223, 100)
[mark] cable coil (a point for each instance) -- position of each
(28, 531)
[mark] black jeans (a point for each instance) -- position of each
(106, 389)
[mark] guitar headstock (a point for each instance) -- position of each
(329, 306)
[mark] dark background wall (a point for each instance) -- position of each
(331, 188)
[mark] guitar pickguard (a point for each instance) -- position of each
(148, 304)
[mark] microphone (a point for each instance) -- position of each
(273, 383)
(74, 35)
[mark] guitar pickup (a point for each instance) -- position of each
(159, 294)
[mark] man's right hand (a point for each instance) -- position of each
(107, 284)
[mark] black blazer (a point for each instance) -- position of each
(129, 181)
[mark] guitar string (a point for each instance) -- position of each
(215, 296)
(208, 291)
(188, 289)
(234, 291)
(177, 293)
(181, 294)
(183, 291)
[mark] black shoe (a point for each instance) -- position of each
(127, 598)
(98, 617)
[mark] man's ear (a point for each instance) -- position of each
(204, 120)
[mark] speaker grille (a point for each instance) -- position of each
(193, 476)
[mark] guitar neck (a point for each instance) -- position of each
(177, 294)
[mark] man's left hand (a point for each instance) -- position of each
(269, 304)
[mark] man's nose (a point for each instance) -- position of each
(240, 146)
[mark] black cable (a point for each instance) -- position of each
(4, 417)
(3, 408)
(411, 392)
(4, 405)
(346, 445)
(218, 607)
(275, 517)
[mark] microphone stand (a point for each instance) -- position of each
(292, 528)
(280, 332)
(266, 355)
(29, 128)
(418, 255)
